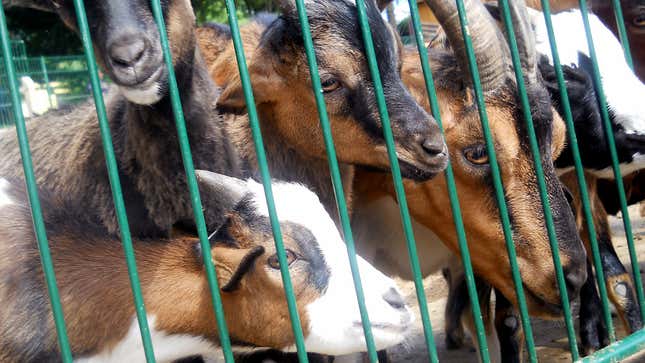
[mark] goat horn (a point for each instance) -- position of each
(491, 50)
(34, 4)
(224, 190)
(525, 38)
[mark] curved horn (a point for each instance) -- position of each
(33, 4)
(491, 50)
(525, 38)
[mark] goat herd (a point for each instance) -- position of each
(82, 224)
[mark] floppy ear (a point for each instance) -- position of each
(265, 82)
(213, 38)
(234, 264)
(43, 5)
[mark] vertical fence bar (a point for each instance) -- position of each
(266, 180)
(614, 159)
(115, 182)
(400, 191)
(189, 168)
(454, 199)
(582, 184)
(622, 32)
(539, 173)
(336, 178)
(43, 68)
(32, 192)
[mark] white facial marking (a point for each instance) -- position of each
(334, 319)
(167, 348)
(621, 290)
(624, 91)
(4, 197)
(146, 96)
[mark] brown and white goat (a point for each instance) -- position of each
(97, 302)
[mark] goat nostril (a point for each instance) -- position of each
(434, 146)
(395, 299)
(127, 52)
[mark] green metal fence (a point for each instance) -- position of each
(616, 351)
(64, 79)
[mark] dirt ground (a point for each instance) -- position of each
(551, 338)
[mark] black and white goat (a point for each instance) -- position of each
(97, 302)
(623, 90)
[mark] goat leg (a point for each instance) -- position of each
(593, 331)
(456, 305)
(509, 330)
(620, 286)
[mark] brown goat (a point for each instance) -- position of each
(286, 104)
(93, 281)
(429, 201)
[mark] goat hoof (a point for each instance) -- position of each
(454, 341)
(593, 333)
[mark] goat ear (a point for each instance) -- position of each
(236, 264)
(265, 82)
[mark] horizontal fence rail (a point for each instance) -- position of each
(72, 74)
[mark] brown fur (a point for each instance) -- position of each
(70, 161)
(95, 294)
(428, 202)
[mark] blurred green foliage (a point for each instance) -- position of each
(44, 33)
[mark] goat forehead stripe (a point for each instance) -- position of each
(4, 193)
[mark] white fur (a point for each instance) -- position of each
(167, 348)
(4, 197)
(636, 164)
(624, 91)
(143, 96)
(334, 319)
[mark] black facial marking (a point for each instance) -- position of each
(245, 266)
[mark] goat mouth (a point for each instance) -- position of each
(410, 171)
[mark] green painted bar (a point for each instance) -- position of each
(266, 180)
(618, 351)
(48, 88)
(539, 173)
(32, 192)
(622, 32)
(336, 178)
(450, 177)
(582, 183)
(115, 183)
(195, 198)
(614, 158)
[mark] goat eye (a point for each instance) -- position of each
(274, 263)
(330, 84)
(477, 154)
(639, 21)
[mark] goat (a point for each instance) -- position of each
(286, 104)
(93, 282)
(70, 161)
(428, 201)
